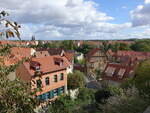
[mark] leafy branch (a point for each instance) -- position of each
(10, 29)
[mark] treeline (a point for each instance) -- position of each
(138, 45)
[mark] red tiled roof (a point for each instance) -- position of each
(58, 51)
(16, 55)
(138, 55)
(70, 55)
(22, 52)
(47, 64)
(17, 43)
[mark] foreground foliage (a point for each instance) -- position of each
(15, 96)
(66, 104)
(75, 80)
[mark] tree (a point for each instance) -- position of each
(141, 45)
(105, 46)
(98, 73)
(102, 95)
(119, 46)
(85, 48)
(124, 46)
(8, 28)
(5, 50)
(68, 45)
(65, 104)
(75, 80)
(86, 95)
(129, 101)
(15, 96)
(142, 79)
(61, 105)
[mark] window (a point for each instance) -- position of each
(38, 83)
(110, 71)
(61, 76)
(51, 94)
(55, 92)
(62, 89)
(47, 80)
(121, 73)
(55, 78)
(37, 68)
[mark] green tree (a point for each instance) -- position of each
(119, 46)
(142, 79)
(63, 104)
(75, 80)
(124, 46)
(141, 45)
(68, 45)
(105, 46)
(85, 48)
(86, 95)
(15, 96)
(129, 101)
(5, 50)
(98, 73)
(101, 96)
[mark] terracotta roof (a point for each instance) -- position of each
(117, 72)
(47, 64)
(138, 55)
(16, 55)
(17, 43)
(22, 52)
(69, 55)
(58, 51)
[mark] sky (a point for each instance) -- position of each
(80, 19)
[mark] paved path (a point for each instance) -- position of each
(91, 82)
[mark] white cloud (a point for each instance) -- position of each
(147, 1)
(62, 19)
(141, 15)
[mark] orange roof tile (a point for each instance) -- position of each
(47, 64)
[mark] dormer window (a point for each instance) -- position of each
(58, 61)
(121, 73)
(35, 66)
(110, 71)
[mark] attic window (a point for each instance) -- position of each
(58, 61)
(110, 71)
(35, 65)
(121, 73)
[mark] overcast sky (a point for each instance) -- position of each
(80, 19)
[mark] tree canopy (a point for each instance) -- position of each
(75, 80)
(142, 79)
(141, 45)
